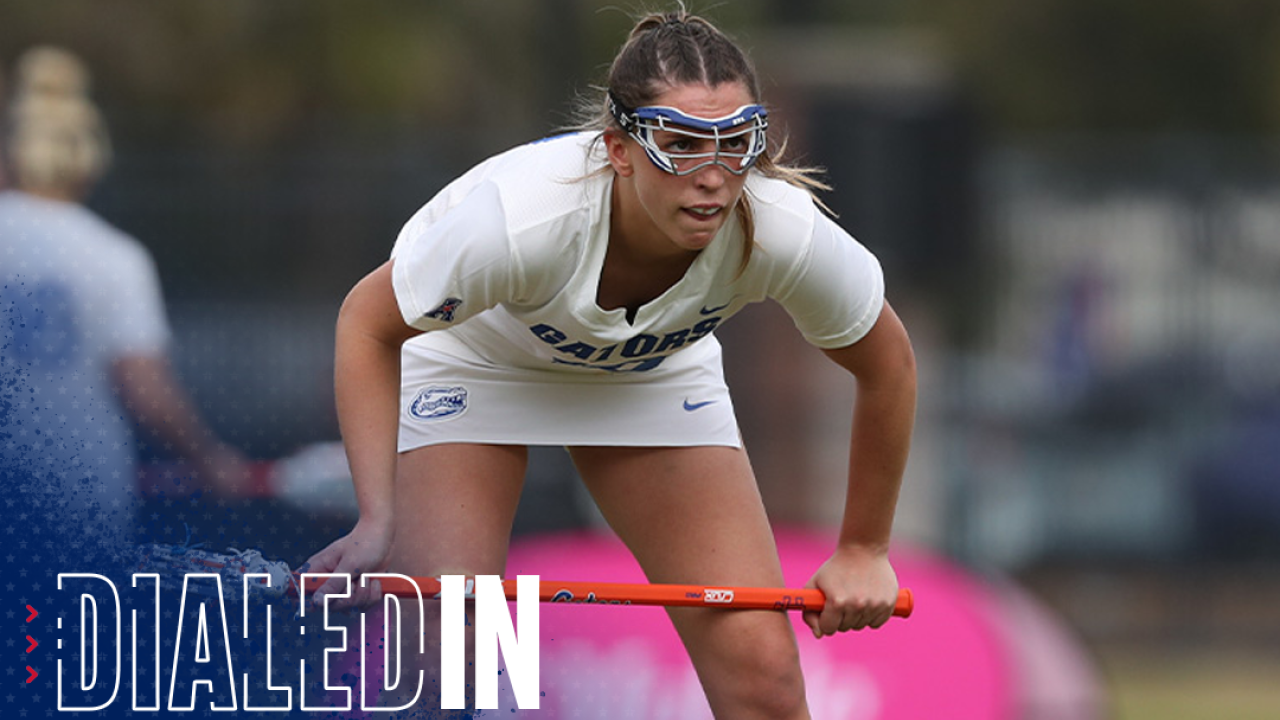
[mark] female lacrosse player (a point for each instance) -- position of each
(83, 334)
(566, 293)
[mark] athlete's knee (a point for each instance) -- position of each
(767, 682)
(776, 687)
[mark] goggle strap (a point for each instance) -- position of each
(625, 116)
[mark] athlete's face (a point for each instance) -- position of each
(687, 210)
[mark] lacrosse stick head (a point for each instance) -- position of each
(174, 562)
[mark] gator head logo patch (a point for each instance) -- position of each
(438, 403)
(445, 310)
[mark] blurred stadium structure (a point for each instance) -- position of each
(1121, 399)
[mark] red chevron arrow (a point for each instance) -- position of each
(33, 614)
(33, 643)
(34, 674)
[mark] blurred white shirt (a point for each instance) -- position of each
(76, 294)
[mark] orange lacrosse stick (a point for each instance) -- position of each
(599, 593)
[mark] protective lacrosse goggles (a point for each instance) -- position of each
(734, 141)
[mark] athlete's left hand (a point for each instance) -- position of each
(861, 589)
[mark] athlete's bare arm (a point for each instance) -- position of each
(369, 334)
(858, 580)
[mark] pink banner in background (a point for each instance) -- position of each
(946, 661)
(974, 649)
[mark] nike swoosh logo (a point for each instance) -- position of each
(708, 310)
(690, 407)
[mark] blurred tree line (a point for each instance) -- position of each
(258, 135)
(248, 71)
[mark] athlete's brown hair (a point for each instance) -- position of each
(679, 48)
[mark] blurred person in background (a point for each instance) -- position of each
(83, 331)
(565, 293)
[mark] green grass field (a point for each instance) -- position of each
(1191, 642)
(1190, 684)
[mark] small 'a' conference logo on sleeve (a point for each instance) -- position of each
(445, 310)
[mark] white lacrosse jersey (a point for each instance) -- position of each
(75, 295)
(502, 267)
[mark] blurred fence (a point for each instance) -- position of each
(262, 371)
(1107, 395)
(256, 249)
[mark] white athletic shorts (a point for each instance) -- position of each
(449, 394)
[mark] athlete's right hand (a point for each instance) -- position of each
(365, 549)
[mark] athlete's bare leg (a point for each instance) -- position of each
(455, 505)
(694, 515)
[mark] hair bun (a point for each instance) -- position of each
(56, 140)
(50, 71)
